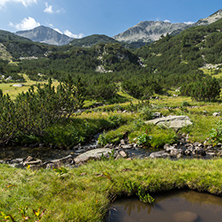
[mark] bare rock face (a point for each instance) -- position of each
(175, 122)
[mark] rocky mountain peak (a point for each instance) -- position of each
(45, 35)
(149, 31)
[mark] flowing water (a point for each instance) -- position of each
(177, 206)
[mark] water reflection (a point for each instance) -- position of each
(183, 206)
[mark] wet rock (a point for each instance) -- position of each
(211, 154)
(28, 159)
(188, 151)
(32, 163)
(2, 161)
(93, 154)
(160, 154)
(219, 153)
(186, 216)
(17, 160)
(197, 144)
(77, 147)
(199, 151)
(209, 147)
(168, 148)
(219, 145)
(123, 154)
(128, 146)
(176, 153)
(109, 145)
(57, 163)
(122, 142)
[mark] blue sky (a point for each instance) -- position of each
(78, 18)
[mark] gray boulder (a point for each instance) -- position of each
(175, 122)
(160, 154)
(93, 154)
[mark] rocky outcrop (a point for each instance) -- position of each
(175, 122)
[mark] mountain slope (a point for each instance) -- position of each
(150, 31)
(185, 52)
(45, 35)
(211, 19)
(8, 36)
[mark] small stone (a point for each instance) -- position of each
(28, 159)
(211, 154)
(123, 154)
(122, 142)
(128, 146)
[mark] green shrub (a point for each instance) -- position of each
(116, 120)
(185, 103)
(144, 139)
(216, 133)
(146, 113)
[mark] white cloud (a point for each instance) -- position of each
(26, 24)
(189, 23)
(24, 2)
(76, 36)
(48, 8)
(167, 20)
(57, 30)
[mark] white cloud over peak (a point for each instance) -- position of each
(24, 2)
(57, 30)
(75, 36)
(189, 23)
(26, 24)
(167, 20)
